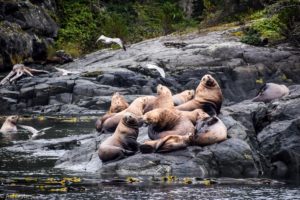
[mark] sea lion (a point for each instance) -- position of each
(118, 103)
(271, 91)
(208, 97)
(164, 99)
(194, 115)
(166, 144)
(183, 97)
(163, 122)
(10, 124)
(123, 141)
(109, 122)
(209, 131)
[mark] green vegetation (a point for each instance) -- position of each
(280, 21)
(83, 22)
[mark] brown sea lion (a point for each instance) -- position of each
(209, 131)
(271, 91)
(123, 142)
(10, 124)
(164, 99)
(208, 97)
(118, 103)
(109, 122)
(163, 122)
(194, 115)
(166, 144)
(183, 97)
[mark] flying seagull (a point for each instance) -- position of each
(159, 69)
(66, 72)
(107, 40)
(35, 133)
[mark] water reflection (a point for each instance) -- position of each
(22, 166)
(174, 192)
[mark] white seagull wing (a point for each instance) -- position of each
(29, 128)
(118, 41)
(159, 69)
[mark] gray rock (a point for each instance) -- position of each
(27, 93)
(279, 141)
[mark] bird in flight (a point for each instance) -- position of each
(108, 40)
(35, 133)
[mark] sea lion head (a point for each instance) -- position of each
(208, 81)
(13, 119)
(152, 117)
(118, 103)
(115, 96)
(163, 90)
(131, 120)
(161, 116)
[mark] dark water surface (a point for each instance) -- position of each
(27, 176)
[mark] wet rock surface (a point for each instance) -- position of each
(263, 138)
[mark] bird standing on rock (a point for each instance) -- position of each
(107, 40)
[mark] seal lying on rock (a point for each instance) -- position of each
(123, 142)
(118, 103)
(271, 91)
(163, 122)
(209, 131)
(164, 99)
(208, 97)
(109, 122)
(183, 97)
(10, 124)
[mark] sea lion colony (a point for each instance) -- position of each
(174, 121)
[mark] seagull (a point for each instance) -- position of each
(107, 40)
(66, 72)
(159, 69)
(35, 133)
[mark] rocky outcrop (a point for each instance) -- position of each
(263, 138)
(240, 70)
(258, 144)
(26, 31)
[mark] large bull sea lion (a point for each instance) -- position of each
(208, 97)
